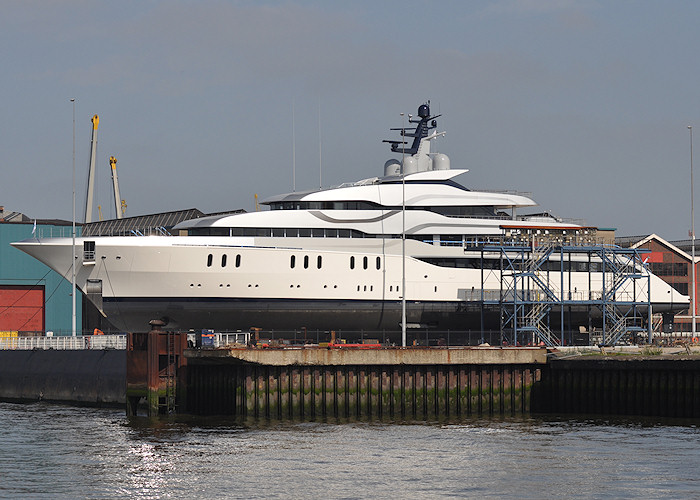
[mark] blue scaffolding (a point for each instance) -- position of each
(619, 291)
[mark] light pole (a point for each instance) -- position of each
(692, 229)
(403, 231)
(72, 265)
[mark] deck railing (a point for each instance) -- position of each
(64, 342)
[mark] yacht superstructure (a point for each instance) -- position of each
(332, 258)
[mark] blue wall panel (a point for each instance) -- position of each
(18, 268)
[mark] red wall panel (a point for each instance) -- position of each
(21, 308)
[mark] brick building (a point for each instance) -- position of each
(670, 261)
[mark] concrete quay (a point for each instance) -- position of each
(389, 356)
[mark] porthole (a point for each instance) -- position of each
(210, 260)
(352, 262)
(293, 261)
(306, 261)
(379, 263)
(223, 260)
(238, 260)
(319, 261)
(364, 262)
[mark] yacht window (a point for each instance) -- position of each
(450, 239)
(292, 232)
(343, 233)
(278, 232)
(223, 260)
(317, 233)
(88, 250)
(331, 233)
(352, 262)
(306, 261)
(262, 232)
(319, 261)
(379, 263)
(364, 262)
(210, 260)
(293, 261)
(304, 232)
(238, 260)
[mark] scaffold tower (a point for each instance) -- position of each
(536, 291)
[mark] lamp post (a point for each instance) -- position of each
(692, 229)
(403, 231)
(72, 265)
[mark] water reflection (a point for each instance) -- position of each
(65, 452)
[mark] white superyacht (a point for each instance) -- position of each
(334, 258)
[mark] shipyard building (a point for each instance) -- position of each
(33, 298)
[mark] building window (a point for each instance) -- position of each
(210, 260)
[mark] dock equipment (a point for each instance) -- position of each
(119, 204)
(91, 172)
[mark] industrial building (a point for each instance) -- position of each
(33, 298)
(670, 261)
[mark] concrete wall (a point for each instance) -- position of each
(91, 377)
(392, 356)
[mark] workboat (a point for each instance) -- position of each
(351, 257)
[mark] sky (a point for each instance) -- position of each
(205, 104)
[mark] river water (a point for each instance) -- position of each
(53, 451)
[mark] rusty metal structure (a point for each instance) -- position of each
(155, 370)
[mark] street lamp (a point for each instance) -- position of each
(72, 265)
(403, 231)
(692, 229)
